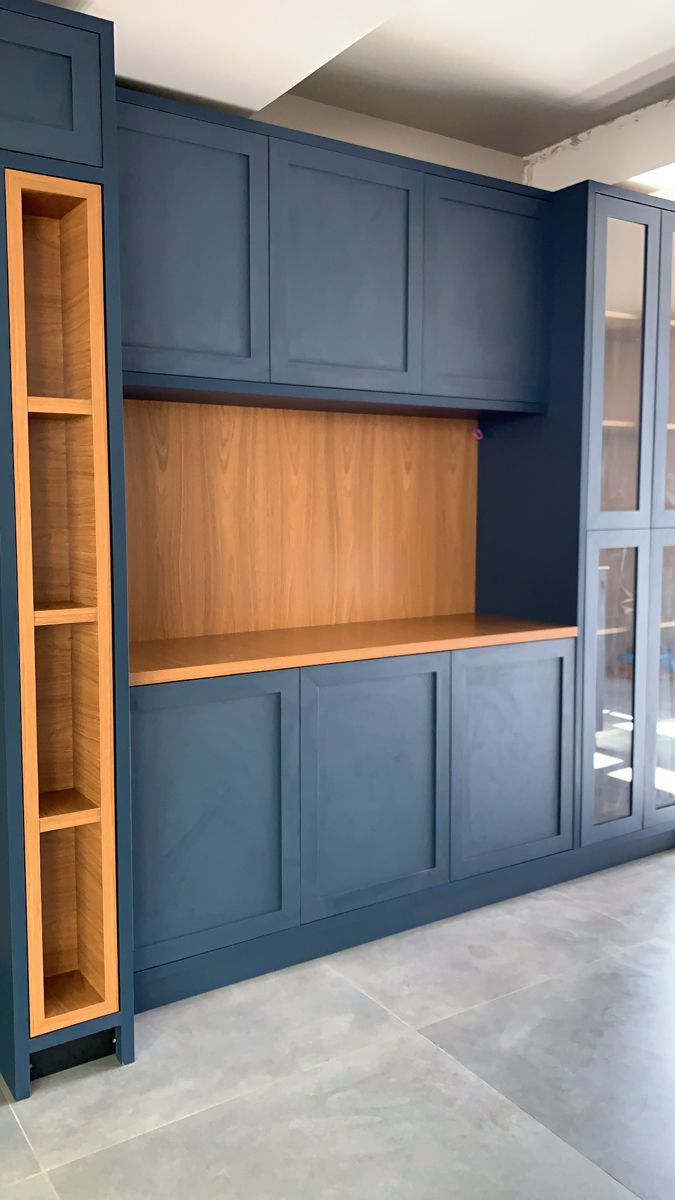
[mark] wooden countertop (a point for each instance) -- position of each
(274, 649)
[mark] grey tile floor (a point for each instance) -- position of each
(525, 1051)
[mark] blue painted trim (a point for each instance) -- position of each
(60, 1036)
(189, 977)
(14, 1062)
(186, 389)
(59, 16)
(203, 112)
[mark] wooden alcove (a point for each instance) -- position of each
(261, 538)
(55, 269)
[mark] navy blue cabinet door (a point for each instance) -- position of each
(660, 719)
(512, 754)
(193, 246)
(50, 90)
(216, 820)
(345, 270)
(614, 684)
(375, 786)
(663, 501)
(484, 317)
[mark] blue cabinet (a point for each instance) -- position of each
(660, 712)
(193, 246)
(512, 754)
(216, 821)
(375, 786)
(50, 90)
(484, 295)
(345, 270)
(663, 502)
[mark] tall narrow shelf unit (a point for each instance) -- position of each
(55, 271)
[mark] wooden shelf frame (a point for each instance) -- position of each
(55, 274)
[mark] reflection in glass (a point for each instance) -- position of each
(670, 434)
(624, 302)
(665, 717)
(613, 759)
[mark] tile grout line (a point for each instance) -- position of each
(243, 1095)
(530, 1116)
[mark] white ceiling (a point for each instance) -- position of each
(515, 76)
(239, 54)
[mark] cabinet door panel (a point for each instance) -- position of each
(215, 801)
(483, 293)
(663, 505)
(193, 246)
(615, 660)
(375, 798)
(623, 357)
(511, 750)
(660, 737)
(50, 90)
(345, 270)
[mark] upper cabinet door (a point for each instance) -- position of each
(484, 318)
(345, 270)
(623, 357)
(50, 90)
(664, 430)
(194, 246)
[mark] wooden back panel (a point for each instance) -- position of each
(245, 519)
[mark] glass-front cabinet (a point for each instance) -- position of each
(660, 722)
(664, 431)
(623, 366)
(614, 701)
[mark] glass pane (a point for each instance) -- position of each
(665, 718)
(613, 759)
(624, 300)
(670, 435)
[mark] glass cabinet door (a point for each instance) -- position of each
(614, 684)
(623, 363)
(660, 742)
(664, 429)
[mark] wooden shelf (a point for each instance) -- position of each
(269, 650)
(70, 994)
(608, 423)
(66, 809)
(58, 406)
(61, 614)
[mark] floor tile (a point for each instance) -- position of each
(200, 1052)
(16, 1158)
(443, 968)
(592, 1056)
(37, 1188)
(397, 1121)
(641, 894)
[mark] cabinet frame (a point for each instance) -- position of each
(607, 207)
(596, 541)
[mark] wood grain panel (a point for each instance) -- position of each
(246, 519)
(55, 271)
(269, 650)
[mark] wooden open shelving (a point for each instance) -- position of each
(55, 269)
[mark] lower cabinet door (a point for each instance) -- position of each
(660, 723)
(512, 754)
(375, 781)
(216, 812)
